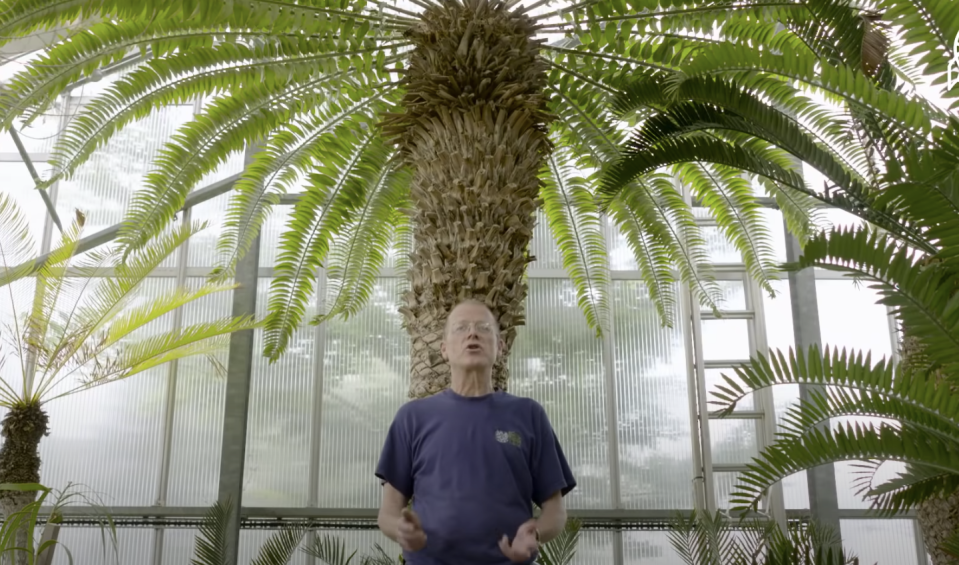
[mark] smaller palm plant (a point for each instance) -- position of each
(331, 550)
(89, 324)
(42, 551)
(714, 540)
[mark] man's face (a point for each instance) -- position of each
(472, 340)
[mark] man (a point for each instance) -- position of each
(473, 460)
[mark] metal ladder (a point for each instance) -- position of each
(703, 416)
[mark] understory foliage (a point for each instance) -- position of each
(308, 82)
(329, 549)
(840, 100)
(91, 321)
(716, 540)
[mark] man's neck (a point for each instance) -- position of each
(471, 383)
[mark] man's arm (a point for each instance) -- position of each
(552, 519)
(391, 512)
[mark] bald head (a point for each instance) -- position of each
(474, 306)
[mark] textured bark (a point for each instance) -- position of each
(474, 131)
(23, 428)
(938, 517)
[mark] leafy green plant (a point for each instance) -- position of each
(34, 551)
(91, 322)
(716, 540)
(426, 132)
(280, 547)
(843, 103)
(331, 550)
(562, 549)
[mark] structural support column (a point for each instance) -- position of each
(612, 422)
(823, 501)
(169, 409)
(236, 410)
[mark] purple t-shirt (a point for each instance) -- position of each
(473, 467)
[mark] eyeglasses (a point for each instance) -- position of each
(479, 327)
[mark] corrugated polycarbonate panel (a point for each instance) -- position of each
(106, 440)
(95, 546)
(18, 186)
(278, 430)
(648, 548)
(652, 403)
(544, 247)
(198, 412)
(558, 360)
(594, 548)
(40, 135)
(178, 546)
(203, 251)
(779, 335)
(880, 541)
(365, 381)
(851, 318)
(104, 186)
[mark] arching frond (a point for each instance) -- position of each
(577, 227)
(355, 261)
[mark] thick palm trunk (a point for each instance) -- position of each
(23, 428)
(474, 132)
(939, 517)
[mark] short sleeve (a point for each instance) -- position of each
(396, 460)
(551, 471)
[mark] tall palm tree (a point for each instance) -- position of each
(890, 157)
(84, 329)
(439, 125)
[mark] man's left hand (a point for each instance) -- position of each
(524, 545)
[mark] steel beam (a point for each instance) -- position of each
(236, 409)
(51, 209)
(107, 235)
(821, 481)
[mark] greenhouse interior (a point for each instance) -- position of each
(616, 342)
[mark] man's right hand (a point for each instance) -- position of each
(410, 534)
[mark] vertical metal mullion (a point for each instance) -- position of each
(695, 430)
(698, 375)
(169, 411)
(316, 424)
(821, 481)
(237, 401)
(612, 418)
(766, 427)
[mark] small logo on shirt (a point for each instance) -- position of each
(509, 437)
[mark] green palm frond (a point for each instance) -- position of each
(654, 257)
(704, 539)
(350, 189)
(280, 547)
(16, 242)
(848, 442)
(925, 434)
(356, 260)
(561, 550)
(330, 550)
(309, 84)
(211, 541)
(577, 227)
(288, 156)
(729, 196)
(922, 296)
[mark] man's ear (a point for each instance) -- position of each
(443, 350)
(500, 347)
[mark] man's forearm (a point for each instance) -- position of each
(389, 525)
(551, 521)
